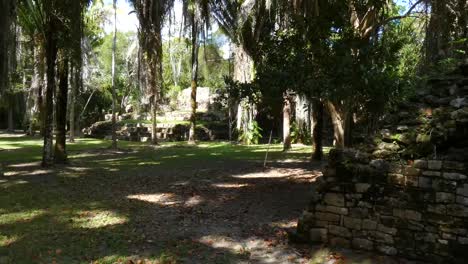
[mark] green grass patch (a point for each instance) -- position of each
(81, 212)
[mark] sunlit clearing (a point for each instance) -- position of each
(194, 201)
(25, 165)
(11, 183)
(217, 241)
(149, 163)
(164, 199)
(8, 240)
(97, 219)
(230, 185)
(28, 173)
(285, 224)
(24, 216)
(170, 157)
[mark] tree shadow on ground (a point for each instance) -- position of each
(165, 204)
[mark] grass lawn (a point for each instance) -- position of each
(85, 212)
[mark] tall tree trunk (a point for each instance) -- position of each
(61, 111)
(37, 82)
(6, 19)
(51, 55)
(338, 124)
(114, 95)
(11, 105)
(243, 73)
(348, 128)
(342, 119)
(286, 123)
(74, 88)
(317, 130)
(193, 95)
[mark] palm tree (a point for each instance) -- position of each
(58, 24)
(151, 14)
(244, 22)
(197, 17)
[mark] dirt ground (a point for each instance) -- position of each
(223, 211)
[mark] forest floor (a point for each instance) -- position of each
(174, 203)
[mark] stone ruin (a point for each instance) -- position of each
(135, 126)
(405, 192)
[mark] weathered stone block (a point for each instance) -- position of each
(449, 236)
(442, 185)
(420, 164)
(387, 250)
(453, 165)
(369, 224)
(411, 171)
(360, 243)
(463, 240)
(434, 164)
(327, 217)
(462, 200)
(353, 223)
(335, 199)
(413, 215)
(457, 210)
(332, 209)
(318, 235)
(427, 237)
(454, 176)
(431, 173)
(463, 190)
(437, 208)
(454, 230)
(443, 197)
(387, 230)
(339, 231)
(359, 212)
(383, 237)
(339, 241)
(362, 187)
(424, 182)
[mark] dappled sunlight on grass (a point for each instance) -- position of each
(230, 185)
(137, 202)
(23, 216)
(96, 219)
(10, 183)
(163, 199)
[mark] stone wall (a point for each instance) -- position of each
(405, 191)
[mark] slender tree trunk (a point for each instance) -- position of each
(317, 130)
(11, 105)
(154, 127)
(40, 89)
(193, 95)
(74, 87)
(61, 111)
(348, 128)
(51, 55)
(114, 95)
(286, 123)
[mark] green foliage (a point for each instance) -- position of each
(252, 135)
(300, 134)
